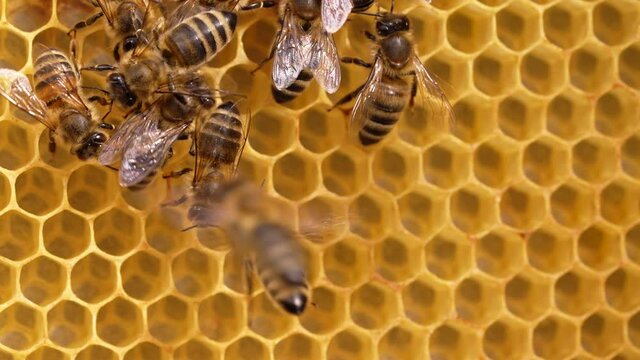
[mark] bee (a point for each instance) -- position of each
(56, 103)
(361, 5)
(386, 93)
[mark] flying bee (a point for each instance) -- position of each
(386, 93)
(56, 103)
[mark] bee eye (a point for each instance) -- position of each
(130, 43)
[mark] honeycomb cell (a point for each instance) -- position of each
(69, 11)
(240, 80)
(20, 236)
(395, 168)
(163, 230)
(475, 300)
(545, 161)
(422, 211)
(628, 68)
(555, 337)
(247, 348)
(447, 164)
(295, 176)
(452, 340)
(599, 247)
(257, 39)
(196, 349)
(51, 38)
(144, 275)
(297, 346)
(397, 258)
(170, 319)
(475, 118)
(93, 278)
(454, 73)
(16, 147)
(518, 25)
(506, 338)
(615, 111)
(350, 344)
(347, 263)
(426, 24)
(522, 206)
(268, 319)
(620, 290)
(345, 172)
(371, 215)
(69, 324)
(592, 159)
(194, 273)
(42, 280)
(119, 322)
(15, 49)
(142, 199)
(28, 15)
(618, 202)
(5, 191)
(46, 353)
(329, 312)
(321, 131)
(542, 70)
(96, 352)
(225, 56)
(234, 274)
(602, 333)
(634, 329)
(521, 116)
(473, 209)
(373, 305)
(591, 68)
(500, 253)
(495, 71)
(21, 326)
(550, 249)
(271, 133)
(448, 255)
(8, 280)
(566, 23)
(66, 234)
(630, 156)
(567, 198)
(117, 231)
(145, 350)
(614, 21)
(221, 317)
(426, 300)
(469, 28)
(91, 188)
(495, 162)
(577, 292)
(528, 295)
(632, 243)
(568, 115)
(402, 342)
(322, 219)
(38, 191)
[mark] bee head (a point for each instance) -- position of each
(91, 145)
(388, 24)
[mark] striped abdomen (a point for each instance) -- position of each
(53, 73)
(385, 105)
(144, 182)
(361, 5)
(295, 89)
(199, 38)
(222, 135)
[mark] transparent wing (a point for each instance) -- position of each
(289, 55)
(16, 88)
(430, 95)
(360, 112)
(122, 137)
(335, 13)
(323, 60)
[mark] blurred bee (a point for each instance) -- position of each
(386, 93)
(303, 49)
(56, 103)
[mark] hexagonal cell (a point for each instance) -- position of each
(257, 39)
(592, 159)
(542, 69)
(234, 274)
(194, 273)
(397, 258)
(426, 23)
(618, 202)
(297, 346)
(395, 167)
(521, 116)
(373, 305)
(119, 322)
(495, 71)
(555, 337)
(403, 341)
(469, 28)
(163, 230)
(528, 295)
(495, 162)
(93, 278)
(422, 211)
(28, 15)
(506, 339)
(69, 324)
(17, 147)
(295, 176)
(20, 238)
(613, 21)
(632, 243)
(629, 70)
(500, 253)
(46, 353)
(5, 191)
(475, 300)
(522, 206)
(117, 231)
(599, 247)
(144, 275)
(268, 319)
(475, 118)
(42, 280)
(96, 352)
(349, 344)
(634, 329)
(427, 300)
(371, 215)
(195, 349)
(566, 23)
(152, 196)
(221, 317)
(91, 188)
(447, 164)
(247, 348)
(448, 255)
(329, 312)
(451, 340)
(627, 353)
(473, 209)
(569, 115)
(322, 219)
(15, 47)
(240, 80)
(573, 204)
(518, 25)
(545, 161)
(146, 350)
(38, 190)
(615, 111)
(9, 279)
(630, 156)
(66, 234)
(577, 292)
(550, 249)
(602, 333)
(345, 171)
(591, 67)
(347, 263)
(453, 71)
(620, 290)
(52, 38)
(271, 133)
(321, 131)
(170, 319)
(21, 326)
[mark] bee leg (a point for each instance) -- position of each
(99, 67)
(350, 96)
(102, 101)
(248, 273)
(258, 5)
(52, 142)
(265, 60)
(175, 174)
(414, 90)
(85, 23)
(356, 61)
(104, 125)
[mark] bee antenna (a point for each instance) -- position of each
(189, 228)
(367, 14)
(393, 5)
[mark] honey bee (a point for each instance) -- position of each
(56, 103)
(386, 93)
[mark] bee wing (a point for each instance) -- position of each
(289, 55)
(323, 60)
(335, 13)
(15, 87)
(121, 138)
(431, 95)
(360, 112)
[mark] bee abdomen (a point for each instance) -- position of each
(52, 68)
(386, 106)
(223, 131)
(361, 5)
(144, 182)
(295, 89)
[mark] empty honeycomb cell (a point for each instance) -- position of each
(555, 337)
(221, 317)
(500, 253)
(448, 255)
(495, 71)
(240, 80)
(117, 231)
(542, 69)
(355, 37)
(599, 247)
(345, 172)
(163, 230)
(602, 333)
(371, 215)
(373, 305)
(322, 219)
(518, 25)
(196, 349)
(91, 188)
(258, 39)
(350, 344)
(66, 234)
(96, 352)
(620, 290)
(69, 11)
(591, 68)
(447, 164)
(347, 262)
(422, 212)
(19, 238)
(42, 280)
(93, 278)
(328, 313)
(475, 300)
(145, 350)
(546, 161)
(495, 161)
(566, 23)
(295, 176)
(469, 28)
(5, 191)
(28, 15)
(473, 209)
(297, 346)
(395, 168)
(69, 324)
(397, 258)
(522, 206)
(16, 146)
(628, 68)
(271, 133)
(144, 275)
(402, 342)
(634, 329)
(247, 348)
(15, 49)
(568, 115)
(52, 38)
(506, 338)
(60, 159)
(577, 292)
(21, 326)
(267, 318)
(615, 112)
(630, 156)
(614, 21)
(567, 198)
(475, 118)
(8, 280)
(626, 354)
(38, 190)
(119, 322)
(426, 300)
(632, 243)
(453, 72)
(234, 273)
(455, 341)
(426, 24)
(47, 353)
(521, 116)
(170, 319)
(321, 131)
(528, 295)
(618, 202)
(592, 159)
(225, 56)
(550, 249)
(194, 273)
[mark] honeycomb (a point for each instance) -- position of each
(515, 235)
